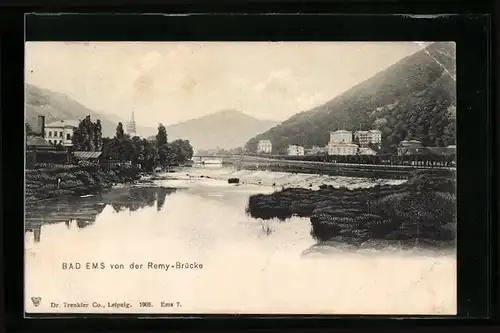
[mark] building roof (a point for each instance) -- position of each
(63, 123)
(265, 141)
(361, 132)
(340, 144)
(410, 141)
(428, 151)
(341, 131)
(87, 154)
(366, 150)
(38, 142)
(375, 131)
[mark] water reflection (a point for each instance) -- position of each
(259, 261)
(83, 211)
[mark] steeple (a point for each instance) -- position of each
(131, 130)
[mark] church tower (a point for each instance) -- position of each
(131, 130)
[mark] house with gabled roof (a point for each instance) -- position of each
(61, 132)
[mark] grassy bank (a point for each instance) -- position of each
(47, 181)
(421, 210)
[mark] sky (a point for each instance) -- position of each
(171, 82)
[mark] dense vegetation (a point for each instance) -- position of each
(58, 179)
(45, 181)
(122, 147)
(88, 135)
(421, 210)
(412, 99)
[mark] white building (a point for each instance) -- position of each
(374, 136)
(367, 137)
(294, 150)
(366, 151)
(60, 132)
(341, 143)
(361, 137)
(342, 148)
(315, 150)
(264, 146)
(341, 136)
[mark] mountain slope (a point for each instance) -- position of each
(57, 106)
(414, 98)
(224, 129)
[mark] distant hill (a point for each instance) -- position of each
(224, 129)
(413, 99)
(57, 106)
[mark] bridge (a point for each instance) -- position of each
(216, 159)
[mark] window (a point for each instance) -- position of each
(50, 141)
(68, 136)
(50, 134)
(60, 134)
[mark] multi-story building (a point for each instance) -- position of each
(60, 132)
(341, 136)
(342, 148)
(341, 143)
(294, 150)
(374, 136)
(361, 137)
(409, 147)
(264, 146)
(366, 137)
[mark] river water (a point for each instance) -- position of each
(201, 253)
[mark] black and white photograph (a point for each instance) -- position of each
(240, 177)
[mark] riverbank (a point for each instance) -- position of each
(419, 211)
(46, 181)
(380, 171)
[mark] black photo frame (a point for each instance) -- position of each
(476, 164)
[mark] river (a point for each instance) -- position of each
(235, 263)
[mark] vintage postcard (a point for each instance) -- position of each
(240, 178)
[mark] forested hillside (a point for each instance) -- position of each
(412, 99)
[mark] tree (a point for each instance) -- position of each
(82, 135)
(78, 139)
(161, 137)
(449, 134)
(165, 157)
(181, 151)
(88, 135)
(120, 134)
(97, 138)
